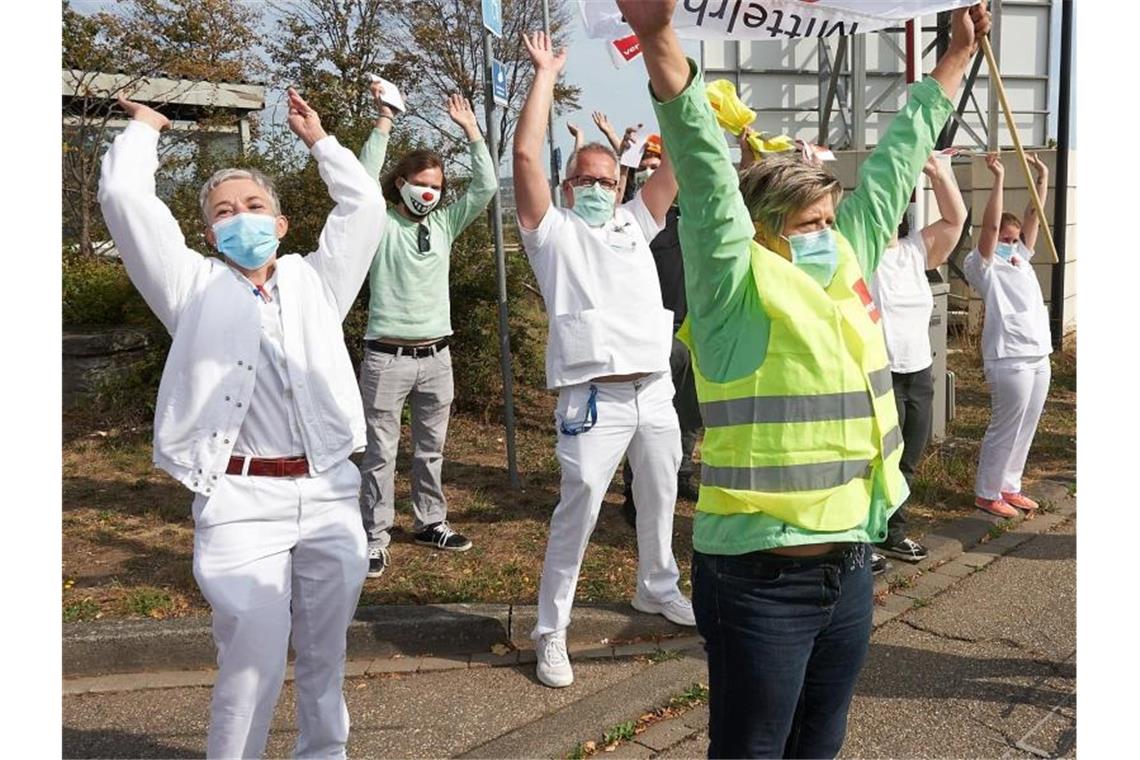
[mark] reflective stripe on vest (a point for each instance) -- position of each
(809, 433)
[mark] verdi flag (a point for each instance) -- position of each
(769, 19)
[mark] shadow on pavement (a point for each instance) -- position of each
(108, 743)
(901, 672)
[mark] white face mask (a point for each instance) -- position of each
(419, 199)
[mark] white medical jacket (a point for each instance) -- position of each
(214, 318)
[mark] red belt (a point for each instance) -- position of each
(282, 467)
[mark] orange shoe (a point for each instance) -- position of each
(1019, 500)
(995, 507)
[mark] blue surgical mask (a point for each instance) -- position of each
(816, 254)
(248, 240)
(594, 204)
(1006, 250)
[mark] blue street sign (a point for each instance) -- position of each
(499, 82)
(493, 17)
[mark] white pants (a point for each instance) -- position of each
(637, 417)
(273, 555)
(1017, 396)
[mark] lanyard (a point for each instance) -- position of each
(589, 418)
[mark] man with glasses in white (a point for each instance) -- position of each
(607, 354)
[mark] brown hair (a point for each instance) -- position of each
(410, 164)
(1008, 218)
(782, 183)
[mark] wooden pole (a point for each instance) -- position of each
(995, 79)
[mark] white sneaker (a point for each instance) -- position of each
(679, 610)
(553, 662)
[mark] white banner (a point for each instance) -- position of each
(769, 19)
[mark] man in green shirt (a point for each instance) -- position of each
(409, 322)
(800, 462)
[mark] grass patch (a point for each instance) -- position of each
(696, 694)
(85, 609)
(148, 602)
(622, 732)
(920, 603)
(997, 529)
(664, 655)
(898, 582)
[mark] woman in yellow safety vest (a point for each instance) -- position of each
(800, 457)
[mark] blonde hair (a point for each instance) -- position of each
(780, 184)
(224, 175)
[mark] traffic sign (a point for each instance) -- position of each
(493, 17)
(499, 82)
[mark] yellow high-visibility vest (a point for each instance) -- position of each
(804, 436)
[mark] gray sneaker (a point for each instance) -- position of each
(378, 561)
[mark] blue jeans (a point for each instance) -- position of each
(786, 638)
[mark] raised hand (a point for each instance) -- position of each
(145, 114)
(647, 17)
(541, 50)
(933, 167)
(459, 109)
(993, 163)
(1038, 166)
(574, 131)
(303, 120)
(968, 26)
(377, 91)
(603, 123)
(629, 137)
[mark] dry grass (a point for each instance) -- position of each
(128, 535)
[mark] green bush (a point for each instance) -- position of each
(97, 292)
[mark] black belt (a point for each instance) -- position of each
(400, 350)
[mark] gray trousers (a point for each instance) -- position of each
(386, 380)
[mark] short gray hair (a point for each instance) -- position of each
(779, 184)
(593, 147)
(224, 175)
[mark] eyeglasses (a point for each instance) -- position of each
(589, 417)
(423, 238)
(587, 181)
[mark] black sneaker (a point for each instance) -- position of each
(441, 536)
(906, 549)
(629, 511)
(879, 564)
(686, 489)
(378, 561)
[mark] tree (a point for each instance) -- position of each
(111, 52)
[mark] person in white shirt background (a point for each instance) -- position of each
(607, 353)
(902, 291)
(257, 414)
(1015, 343)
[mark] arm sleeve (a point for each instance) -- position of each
(716, 232)
(373, 152)
(353, 229)
(872, 212)
(537, 238)
(146, 234)
(483, 187)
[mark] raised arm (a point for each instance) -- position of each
(375, 149)
(869, 215)
(991, 219)
(940, 237)
(353, 229)
(146, 234)
(1030, 223)
(532, 193)
(579, 138)
(659, 190)
(725, 315)
(484, 183)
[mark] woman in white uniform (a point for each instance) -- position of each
(901, 290)
(1015, 343)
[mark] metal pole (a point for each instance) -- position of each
(500, 265)
(1061, 181)
(555, 169)
(859, 91)
(993, 126)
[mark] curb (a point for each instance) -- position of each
(464, 634)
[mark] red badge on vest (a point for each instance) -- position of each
(868, 302)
